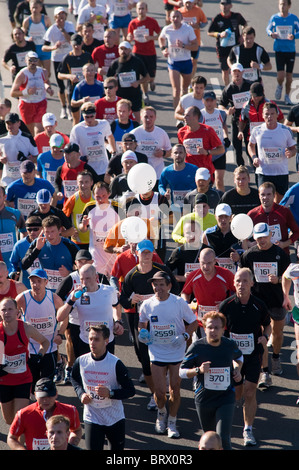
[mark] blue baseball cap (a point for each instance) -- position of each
(145, 245)
(261, 230)
(39, 273)
(43, 196)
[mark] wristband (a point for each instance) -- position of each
(111, 394)
(164, 153)
(119, 321)
(261, 66)
(71, 302)
(186, 335)
(163, 48)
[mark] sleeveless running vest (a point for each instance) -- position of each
(42, 315)
(37, 80)
(16, 356)
(12, 291)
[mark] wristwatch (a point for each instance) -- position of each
(111, 394)
(197, 370)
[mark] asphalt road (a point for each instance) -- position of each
(276, 422)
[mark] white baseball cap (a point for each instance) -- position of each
(58, 10)
(261, 230)
(237, 66)
(56, 140)
(48, 119)
(202, 174)
(223, 209)
(32, 55)
(129, 155)
(125, 44)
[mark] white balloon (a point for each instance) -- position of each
(142, 178)
(241, 226)
(134, 229)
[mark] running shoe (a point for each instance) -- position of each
(63, 114)
(249, 439)
(172, 430)
(69, 114)
(59, 373)
(152, 405)
(288, 101)
(278, 92)
(161, 423)
(276, 366)
(265, 380)
(67, 375)
(141, 379)
(146, 100)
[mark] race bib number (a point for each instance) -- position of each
(218, 378)
(6, 242)
(51, 175)
(203, 309)
(89, 323)
(45, 325)
(40, 444)
(254, 124)
(177, 53)
(228, 264)
(263, 270)
(163, 334)
(94, 153)
(273, 154)
(178, 197)
(15, 364)
(120, 9)
(13, 170)
(231, 42)
(54, 278)
(126, 78)
(239, 99)
(26, 206)
(148, 147)
(37, 37)
(191, 145)
(140, 34)
(276, 233)
(78, 72)
(245, 342)
(21, 58)
(250, 74)
(189, 267)
(284, 31)
(189, 20)
(70, 187)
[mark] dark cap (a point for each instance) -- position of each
(12, 117)
(228, 2)
(45, 388)
(160, 275)
(76, 39)
(257, 89)
(71, 147)
(128, 136)
(201, 198)
(27, 166)
(83, 254)
(209, 94)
